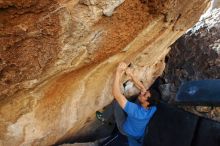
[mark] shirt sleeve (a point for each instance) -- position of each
(153, 110)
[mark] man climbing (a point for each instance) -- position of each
(135, 121)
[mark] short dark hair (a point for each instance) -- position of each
(154, 99)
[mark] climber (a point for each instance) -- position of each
(135, 121)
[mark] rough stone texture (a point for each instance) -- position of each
(194, 56)
(57, 58)
(215, 4)
(29, 42)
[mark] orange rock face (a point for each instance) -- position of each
(57, 58)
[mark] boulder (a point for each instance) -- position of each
(195, 56)
(57, 59)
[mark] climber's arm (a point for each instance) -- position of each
(136, 81)
(116, 85)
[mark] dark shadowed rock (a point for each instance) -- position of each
(195, 56)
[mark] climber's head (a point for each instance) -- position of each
(144, 97)
(149, 98)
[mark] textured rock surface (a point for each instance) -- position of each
(194, 56)
(215, 4)
(57, 58)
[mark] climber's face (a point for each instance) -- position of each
(143, 97)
